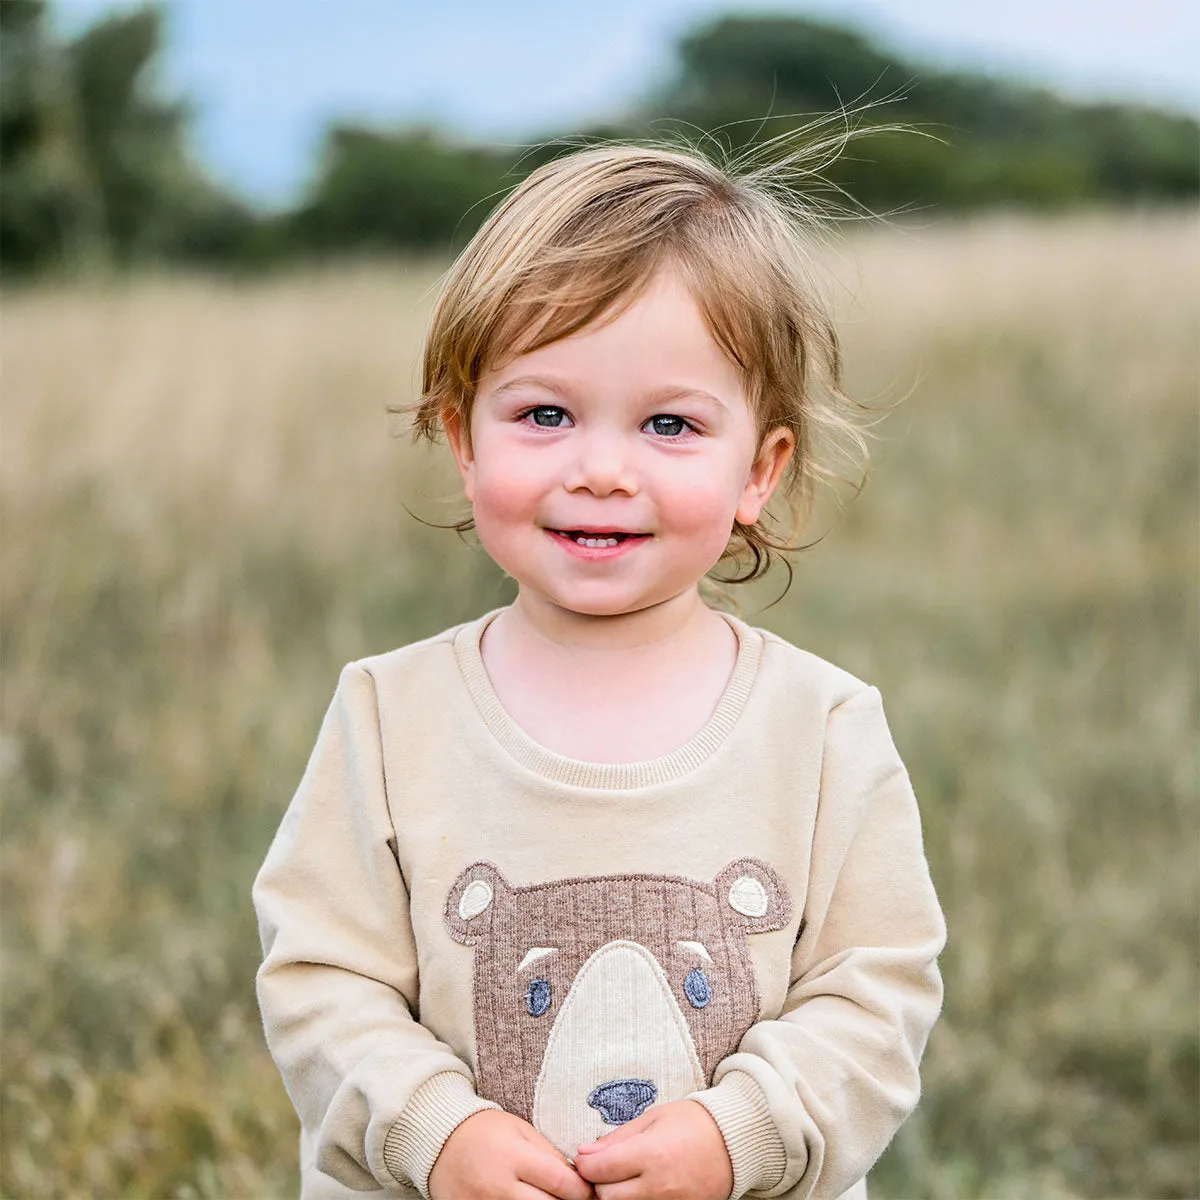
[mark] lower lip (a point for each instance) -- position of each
(598, 553)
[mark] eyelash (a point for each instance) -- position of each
(688, 427)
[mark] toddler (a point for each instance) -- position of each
(608, 893)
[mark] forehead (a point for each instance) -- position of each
(657, 339)
(588, 912)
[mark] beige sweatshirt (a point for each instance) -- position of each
(454, 918)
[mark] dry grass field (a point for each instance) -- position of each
(204, 517)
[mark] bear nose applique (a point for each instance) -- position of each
(621, 1100)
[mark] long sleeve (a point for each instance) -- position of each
(837, 1070)
(377, 1093)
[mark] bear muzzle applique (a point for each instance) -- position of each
(597, 997)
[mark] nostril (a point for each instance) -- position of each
(621, 1100)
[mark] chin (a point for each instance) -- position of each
(606, 606)
(601, 608)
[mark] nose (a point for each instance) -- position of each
(621, 1100)
(601, 465)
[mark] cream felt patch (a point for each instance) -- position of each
(477, 895)
(748, 896)
(588, 1084)
(533, 954)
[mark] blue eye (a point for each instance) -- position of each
(696, 985)
(548, 416)
(668, 426)
(537, 997)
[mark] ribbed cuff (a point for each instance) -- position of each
(755, 1147)
(437, 1108)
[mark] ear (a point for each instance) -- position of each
(765, 472)
(472, 900)
(458, 434)
(756, 895)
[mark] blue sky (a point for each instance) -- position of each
(266, 76)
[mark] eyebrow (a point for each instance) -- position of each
(534, 953)
(667, 392)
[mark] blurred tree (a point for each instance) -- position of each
(741, 69)
(47, 206)
(413, 188)
(94, 164)
(130, 140)
(999, 141)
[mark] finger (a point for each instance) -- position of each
(612, 1163)
(526, 1191)
(551, 1149)
(620, 1134)
(558, 1178)
(543, 1144)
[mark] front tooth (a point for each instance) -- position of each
(596, 543)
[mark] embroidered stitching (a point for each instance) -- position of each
(697, 988)
(622, 1100)
(537, 997)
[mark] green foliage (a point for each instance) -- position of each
(95, 164)
(414, 188)
(743, 68)
(748, 78)
(37, 192)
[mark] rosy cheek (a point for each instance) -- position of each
(507, 479)
(506, 503)
(706, 508)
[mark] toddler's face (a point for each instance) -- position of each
(606, 470)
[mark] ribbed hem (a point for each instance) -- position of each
(755, 1147)
(561, 769)
(437, 1108)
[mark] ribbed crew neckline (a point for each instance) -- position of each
(561, 769)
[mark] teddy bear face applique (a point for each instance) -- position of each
(597, 997)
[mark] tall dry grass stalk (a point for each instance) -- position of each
(203, 518)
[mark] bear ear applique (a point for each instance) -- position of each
(756, 893)
(472, 901)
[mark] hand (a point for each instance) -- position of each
(493, 1155)
(675, 1152)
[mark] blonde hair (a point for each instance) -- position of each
(582, 236)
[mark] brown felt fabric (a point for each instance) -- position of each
(577, 917)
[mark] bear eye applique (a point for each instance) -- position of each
(537, 997)
(697, 988)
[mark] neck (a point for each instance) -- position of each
(533, 618)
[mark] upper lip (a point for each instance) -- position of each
(595, 530)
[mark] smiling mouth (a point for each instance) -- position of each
(596, 539)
